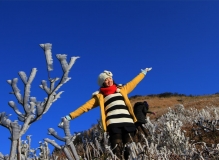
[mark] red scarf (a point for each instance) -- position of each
(108, 90)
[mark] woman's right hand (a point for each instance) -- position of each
(67, 118)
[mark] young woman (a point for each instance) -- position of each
(117, 113)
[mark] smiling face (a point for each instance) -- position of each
(108, 82)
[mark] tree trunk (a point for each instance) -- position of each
(13, 150)
(73, 149)
(19, 149)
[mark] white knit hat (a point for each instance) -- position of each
(103, 76)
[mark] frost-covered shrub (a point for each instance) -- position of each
(166, 139)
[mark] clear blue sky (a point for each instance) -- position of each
(180, 40)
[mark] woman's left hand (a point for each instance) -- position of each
(148, 69)
(144, 71)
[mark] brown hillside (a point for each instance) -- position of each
(161, 104)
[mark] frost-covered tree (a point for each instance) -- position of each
(33, 109)
(68, 139)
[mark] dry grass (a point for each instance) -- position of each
(160, 105)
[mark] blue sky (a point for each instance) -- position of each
(179, 39)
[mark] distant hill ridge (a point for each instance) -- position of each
(159, 103)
